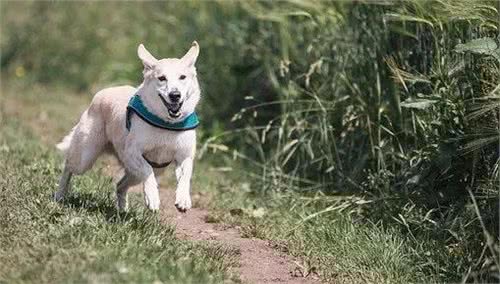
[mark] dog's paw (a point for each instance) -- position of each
(58, 196)
(152, 198)
(183, 203)
(122, 203)
(153, 205)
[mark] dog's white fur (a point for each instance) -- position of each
(102, 128)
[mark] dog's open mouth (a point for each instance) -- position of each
(173, 108)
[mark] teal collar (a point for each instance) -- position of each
(135, 105)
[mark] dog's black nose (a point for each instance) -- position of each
(174, 96)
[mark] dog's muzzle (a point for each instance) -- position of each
(173, 108)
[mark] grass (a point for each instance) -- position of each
(49, 112)
(375, 105)
(334, 245)
(84, 239)
(343, 245)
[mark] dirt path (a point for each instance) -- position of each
(259, 262)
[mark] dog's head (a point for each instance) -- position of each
(170, 85)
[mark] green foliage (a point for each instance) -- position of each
(387, 100)
(369, 88)
(486, 46)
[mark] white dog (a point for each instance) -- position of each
(145, 128)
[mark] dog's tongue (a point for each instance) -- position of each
(173, 110)
(175, 107)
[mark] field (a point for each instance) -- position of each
(84, 239)
(342, 141)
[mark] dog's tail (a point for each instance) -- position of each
(64, 145)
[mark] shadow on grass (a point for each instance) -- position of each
(99, 206)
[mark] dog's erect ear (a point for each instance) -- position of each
(189, 59)
(148, 60)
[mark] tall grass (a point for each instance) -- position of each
(397, 102)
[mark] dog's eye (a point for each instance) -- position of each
(162, 78)
(182, 77)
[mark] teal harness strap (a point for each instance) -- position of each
(135, 105)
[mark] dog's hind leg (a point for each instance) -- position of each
(81, 148)
(88, 141)
(64, 185)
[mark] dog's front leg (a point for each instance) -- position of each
(151, 193)
(137, 166)
(183, 172)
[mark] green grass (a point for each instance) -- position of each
(85, 239)
(344, 245)
(48, 111)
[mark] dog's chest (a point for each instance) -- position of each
(163, 146)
